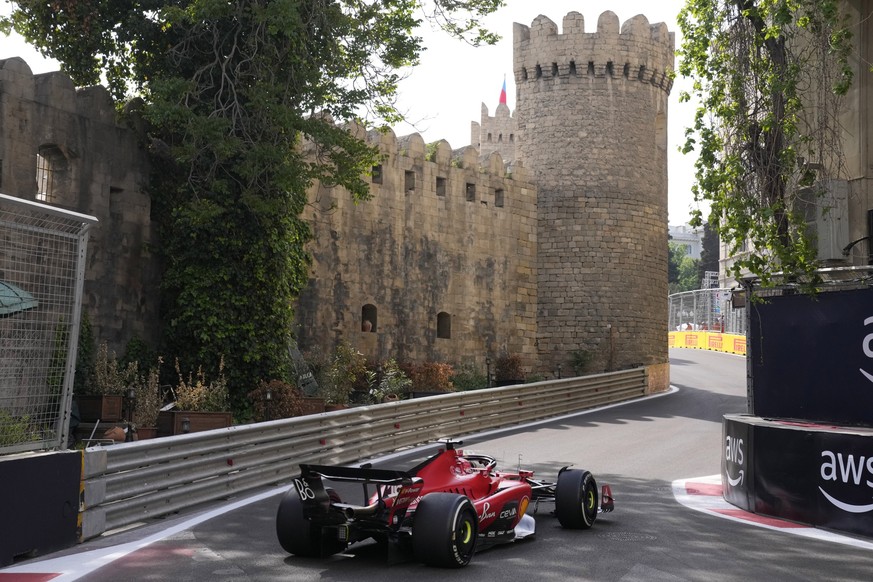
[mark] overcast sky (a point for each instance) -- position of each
(445, 93)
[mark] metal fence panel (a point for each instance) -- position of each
(705, 310)
(42, 266)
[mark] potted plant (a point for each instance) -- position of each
(429, 378)
(200, 404)
(339, 376)
(103, 397)
(148, 402)
(508, 370)
(391, 384)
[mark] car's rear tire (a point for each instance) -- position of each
(576, 499)
(299, 536)
(444, 530)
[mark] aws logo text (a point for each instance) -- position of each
(848, 470)
(733, 452)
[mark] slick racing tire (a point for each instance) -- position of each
(299, 536)
(576, 499)
(444, 530)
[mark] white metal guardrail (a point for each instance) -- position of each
(130, 482)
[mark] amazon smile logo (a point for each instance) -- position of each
(848, 470)
(733, 453)
(868, 351)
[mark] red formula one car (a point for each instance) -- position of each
(443, 509)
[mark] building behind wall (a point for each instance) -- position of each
(840, 214)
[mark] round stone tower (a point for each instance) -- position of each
(592, 108)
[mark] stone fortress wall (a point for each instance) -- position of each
(97, 168)
(575, 258)
(547, 238)
(440, 263)
(592, 108)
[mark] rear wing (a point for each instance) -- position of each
(355, 474)
(404, 489)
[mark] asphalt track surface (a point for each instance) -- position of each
(656, 453)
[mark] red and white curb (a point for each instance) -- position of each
(705, 494)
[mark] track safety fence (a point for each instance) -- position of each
(706, 310)
(42, 271)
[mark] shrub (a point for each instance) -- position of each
(468, 377)
(196, 394)
(392, 382)
(285, 401)
(580, 360)
(508, 367)
(339, 374)
(109, 377)
(430, 376)
(149, 398)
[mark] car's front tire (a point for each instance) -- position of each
(576, 499)
(444, 530)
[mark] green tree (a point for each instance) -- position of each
(682, 272)
(768, 75)
(239, 100)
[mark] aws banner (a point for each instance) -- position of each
(809, 474)
(812, 357)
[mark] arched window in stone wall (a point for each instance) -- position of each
(368, 318)
(444, 325)
(498, 197)
(52, 173)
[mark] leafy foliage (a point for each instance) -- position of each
(468, 377)
(683, 273)
(391, 381)
(508, 367)
(285, 401)
(339, 374)
(149, 397)
(429, 376)
(768, 75)
(239, 99)
(110, 377)
(199, 394)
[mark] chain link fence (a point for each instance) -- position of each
(706, 310)
(42, 266)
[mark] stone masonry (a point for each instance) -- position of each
(101, 171)
(440, 262)
(592, 108)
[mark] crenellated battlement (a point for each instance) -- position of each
(638, 51)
